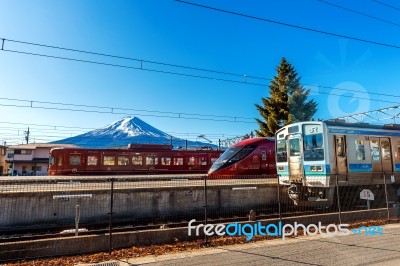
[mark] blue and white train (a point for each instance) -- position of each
(312, 157)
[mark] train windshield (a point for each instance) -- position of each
(231, 156)
(281, 152)
(51, 160)
(313, 147)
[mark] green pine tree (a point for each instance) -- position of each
(287, 102)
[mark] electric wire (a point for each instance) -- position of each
(384, 4)
(360, 13)
(289, 25)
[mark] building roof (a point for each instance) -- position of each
(33, 146)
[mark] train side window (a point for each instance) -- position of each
(375, 150)
(151, 160)
(74, 160)
(360, 150)
(178, 161)
(340, 147)
(385, 149)
(109, 160)
(123, 160)
(191, 161)
(213, 160)
(203, 161)
(165, 161)
(137, 160)
(92, 160)
(60, 161)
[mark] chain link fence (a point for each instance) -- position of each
(74, 206)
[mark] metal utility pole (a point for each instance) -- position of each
(27, 136)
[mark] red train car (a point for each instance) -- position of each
(136, 159)
(254, 156)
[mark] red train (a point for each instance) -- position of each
(136, 159)
(254, 156)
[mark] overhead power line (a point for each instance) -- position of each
(360, 13)
(290, 25)
(381, 3)
(244, 78)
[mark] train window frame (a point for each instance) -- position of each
(375, 153)
(340, 147)
(75, 160)
(397, 153)
(360, 149)
(313, 147)
(166, 160)
(178, 161)
(137, 160)
(59, 161)
(281, 154)
(51, 160)
(385, 151)
(92, 160)
(122, 160)
(151, 160)
(108, 160)
(293, 151)
(191, 160)
(293, 129)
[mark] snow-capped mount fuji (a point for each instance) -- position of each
(127, 130)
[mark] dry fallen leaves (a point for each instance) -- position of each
(157, 250)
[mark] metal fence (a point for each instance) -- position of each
(71, 206)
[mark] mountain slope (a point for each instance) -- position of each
(125, 131)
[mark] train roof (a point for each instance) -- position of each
(341, 123)
(79, 149)
(253, 141)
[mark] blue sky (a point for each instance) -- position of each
(171, 32)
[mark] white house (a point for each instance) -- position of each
(30, 159)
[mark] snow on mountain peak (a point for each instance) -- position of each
(131, 126)
(127, 130)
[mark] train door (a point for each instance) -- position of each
(386, 158)
(341, 155)
(381, 155)
(295, 159)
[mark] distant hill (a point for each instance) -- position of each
(127, 130)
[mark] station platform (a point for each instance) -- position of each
(305, 250)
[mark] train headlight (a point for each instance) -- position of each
(281, 168)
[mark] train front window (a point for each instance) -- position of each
(281, 152)
(294, 145)
(313, 147)
(231, 156)
(51, 160)
(228, 154)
